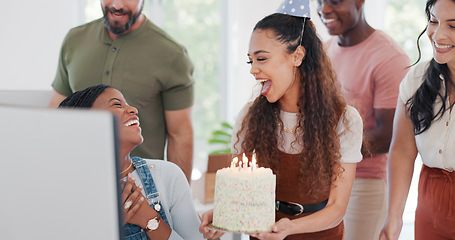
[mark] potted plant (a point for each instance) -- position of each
(222, 137)
(219, 158)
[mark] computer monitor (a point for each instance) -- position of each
(58, 174)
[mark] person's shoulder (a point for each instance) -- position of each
(95, 24)
(242, 113)
(160, 36)
(159, 163)
(331, 41)
(413, 80)
(351, 121)
(331, 46)
(246, 106)
(77, 34)
(417, 71)
(421, 67)
(381, 36)
(386, 43)
(382, 51)
(351, 113)
(164, 168)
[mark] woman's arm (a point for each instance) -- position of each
(143, 212)
(335, 210)
(146, 213)
(180, 139)
(402, 154)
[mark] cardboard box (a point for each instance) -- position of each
(218, 161)
(209, 187)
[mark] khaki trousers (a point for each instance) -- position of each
(366, 210)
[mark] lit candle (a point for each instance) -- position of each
(234, 162)
(245, 161)
(253, 162)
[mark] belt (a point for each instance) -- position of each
(294, 209)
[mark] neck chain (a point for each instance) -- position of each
(131, 163)
(280, 123)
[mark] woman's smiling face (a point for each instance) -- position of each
(271, 64)
(113, 101)
(441, 32)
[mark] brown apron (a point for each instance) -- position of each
(288, 187)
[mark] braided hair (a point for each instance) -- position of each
(84, 98)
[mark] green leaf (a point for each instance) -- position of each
(224, 151)
(222, 136)
(219, 132)
(226, 125)
(212, 141)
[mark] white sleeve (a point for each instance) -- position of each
(184, 217)
(350, 136)
(412, 81)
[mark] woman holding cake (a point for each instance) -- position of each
(300, 127)
(156, 197)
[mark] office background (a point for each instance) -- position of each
(215, 32)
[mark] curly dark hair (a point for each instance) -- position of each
(320, 107)
(421, 104)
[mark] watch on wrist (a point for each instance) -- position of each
(153, 224)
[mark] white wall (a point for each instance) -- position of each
(241, 82)
(31, 39)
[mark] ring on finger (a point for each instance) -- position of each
(128, 204)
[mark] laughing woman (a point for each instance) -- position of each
(424, 124)
(156, 197)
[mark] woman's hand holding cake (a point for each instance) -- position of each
(207, 218)
(279, 231)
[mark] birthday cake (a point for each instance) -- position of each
(244, 199)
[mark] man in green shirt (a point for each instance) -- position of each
(126, 50)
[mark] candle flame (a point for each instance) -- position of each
(245, 161)
(234, 162)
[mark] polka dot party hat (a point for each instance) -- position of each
(297, 8)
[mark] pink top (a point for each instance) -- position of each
(370, 74)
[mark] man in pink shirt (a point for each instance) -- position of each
(370, 66)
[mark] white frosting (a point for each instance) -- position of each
(244, 200)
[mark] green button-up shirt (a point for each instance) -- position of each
(151, 69)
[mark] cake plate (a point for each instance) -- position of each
(212, 227)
